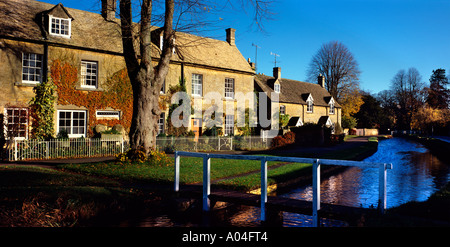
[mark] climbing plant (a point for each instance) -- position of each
(116, 94)
(42, 110)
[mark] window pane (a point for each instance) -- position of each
(197, 84)
(31, 67)
(73, 122)
(89, 73)
(60, 26)
(16, 122)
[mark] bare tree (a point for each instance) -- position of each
(146, 79)
(407, 88)
(336, 63)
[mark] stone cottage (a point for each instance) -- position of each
(81, 52)
(304, 102)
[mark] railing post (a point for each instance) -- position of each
(316, 193)
(382, 174)
(206, 182)
(122, 144)
(231, 143)
(177, 172)
(263, 188)
(15, 149)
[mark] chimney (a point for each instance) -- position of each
(109, 9)
(252, 64)
(230, 36)
(277, 72)
(321, 80)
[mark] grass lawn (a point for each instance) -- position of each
(191, 171)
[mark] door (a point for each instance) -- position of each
(196, 126)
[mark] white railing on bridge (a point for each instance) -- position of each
(35, 149)
(383, 167)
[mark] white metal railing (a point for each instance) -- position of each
(209, 143)
(35, 149)
(383, 167)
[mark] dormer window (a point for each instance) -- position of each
(331, 110)
(59, 26)
(277, 88)
(310, 104)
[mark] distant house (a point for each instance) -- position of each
(82, 52)
(304, 102)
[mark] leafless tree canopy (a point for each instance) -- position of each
(337, 64)
(407, 90)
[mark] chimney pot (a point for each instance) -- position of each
(277, 72)
(230, 36)
(321, 80)
(109, 9)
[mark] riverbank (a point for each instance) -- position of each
(437, 147)
(432, 212)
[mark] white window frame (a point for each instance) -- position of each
(332, 109)
(85, 74)
(58, 22)
(197, 84)
(163, 88)
(229, 88)
(32, 62)
(277, 88)
(7, 118)
(310, 104)
(161, 122)
(107, 114)
(229, 125)
(70, 134)
(282, 109)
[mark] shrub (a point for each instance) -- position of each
(155, 157)
(290, 137)
(159, 158)
(278, 141)
(281, 141)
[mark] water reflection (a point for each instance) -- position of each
(416, 174)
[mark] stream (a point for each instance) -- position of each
(416, 175)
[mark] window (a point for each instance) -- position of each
(107, 114)
(161, 123)
(16, 122)
(276, 88)
(229, 125)
(89, 74)
(60, 26)
(72, 122)
(31, 68)
(331, 108)
(310, 104)
(163, 88)
(229, 88)
(282, 109)
(197, 82)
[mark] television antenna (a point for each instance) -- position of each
(275, 55)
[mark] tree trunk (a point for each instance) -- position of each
(146, 112)
(146, 80)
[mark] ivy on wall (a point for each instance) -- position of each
(117, 94)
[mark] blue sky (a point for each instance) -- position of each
(383, 35)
